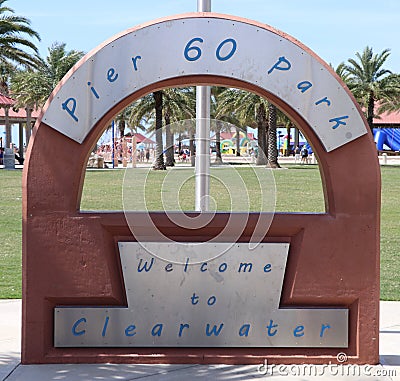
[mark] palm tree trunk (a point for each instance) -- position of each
(159, 161)
(370, 111)
(218, 155)
(237, 141)
(121, 128)
(169, 141)
(262, 135)
(272, 149)
(179, 143)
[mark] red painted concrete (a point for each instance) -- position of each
(70, 258)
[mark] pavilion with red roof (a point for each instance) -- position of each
(9, 115)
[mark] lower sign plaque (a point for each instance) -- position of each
(231, 300)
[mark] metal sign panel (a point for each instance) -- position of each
(229, 301)
(215, 46)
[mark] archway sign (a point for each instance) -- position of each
(309, 291)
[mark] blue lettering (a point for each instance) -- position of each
(70, 111)
(267, 268)
(196, 49)
(186, 265)
(157, 330)
(168, 268)
(244, 330)
(245, 265)
(203, 267)
(181, 328)
(103, 333)
(298, 331)
(214, 331)
(222, 267)
(211, 300)
(271, 325)
(112, 76)
(281, 60)
(304, 86)
(147, 269)
(134, 61)
(93, 90)
(323, 328)
(129, 331)
(338, 121)
(326, 100)
(75, 326)
(194, 299)
(230, 54)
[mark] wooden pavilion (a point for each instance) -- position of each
(9, 115)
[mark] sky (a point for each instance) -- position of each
(334, 30)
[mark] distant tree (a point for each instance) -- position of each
(32, 87)
(122, 120)
(15, 32)
(342, 72)
(370, 82)
(391, 102)
(251, 110)
(216, 92)
(178, 104)
(168, 105)
(272, 137)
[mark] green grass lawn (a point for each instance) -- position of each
(298, 189)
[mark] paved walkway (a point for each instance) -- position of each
(11, 370)
(231, 159)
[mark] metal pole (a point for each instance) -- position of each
(203, 5)
(113, 144)
(202, 169)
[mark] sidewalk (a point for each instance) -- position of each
(233, 160)
(11, 370)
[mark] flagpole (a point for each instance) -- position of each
(202, 168)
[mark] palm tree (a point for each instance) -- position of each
(143, 110)
(32, 87)
(6, 71)
(251, 110)
(391, 102)
(13, 30)
(342, 72)
(216, 92)
(272, 149)
(121, 120)
(158, 105)
(370, 82)
(179, 104)
(173, 104)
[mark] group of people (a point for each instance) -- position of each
(124, 150)
(301, 154)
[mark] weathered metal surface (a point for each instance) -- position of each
(206, 46)
(229, 301)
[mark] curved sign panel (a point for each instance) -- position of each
(205, 46)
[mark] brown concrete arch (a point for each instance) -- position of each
(70, 257)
